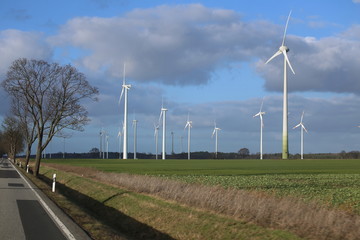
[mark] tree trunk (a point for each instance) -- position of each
(38, 156)
(28, 152)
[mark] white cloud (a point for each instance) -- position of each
(16, 44)
(175, 45)
(185, 44)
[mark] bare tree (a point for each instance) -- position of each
(13, 141)
(53, 96)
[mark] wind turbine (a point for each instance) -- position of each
(189, 126)
(302, 134)
(124, 91)
(215, 132)
(135, 128)
(283, 50)
(260, 113)
(101, 150)
(163, 116)
(156, 134)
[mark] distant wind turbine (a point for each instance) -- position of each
(260, 113)
(163, 117)
(156, 134)
(283, 50)
(189, 126)
(124, 91)
(135, 128)
(302, 134)
(215, 132)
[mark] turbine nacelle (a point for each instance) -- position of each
(284, 49)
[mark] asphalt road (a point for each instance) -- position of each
(26, 213)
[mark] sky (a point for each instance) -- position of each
(203, 59)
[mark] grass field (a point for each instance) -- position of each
(315, 199)
(217, 167)
(332, 182)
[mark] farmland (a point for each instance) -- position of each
(331, 182)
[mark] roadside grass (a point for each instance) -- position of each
(147, 217)
(308, 220)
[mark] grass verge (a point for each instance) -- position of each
(140, 216)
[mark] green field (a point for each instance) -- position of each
(217, 167)
(331, 182)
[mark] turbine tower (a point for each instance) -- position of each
(283, 50)
(135, 128)
(189, 126)
(163, 116)
(302, 135)
(120, 133)
(107, 146)
(215, 132)
(156, 134)
(124, 91)
(100, 150)
(260, 113)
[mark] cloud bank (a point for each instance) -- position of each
(186, 44)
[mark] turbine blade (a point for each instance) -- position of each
(212, 135)
(288, 62)
(257, 114)
(161, 112)
(273, 56)
(121, 94)
(297, 126)
(124, 73)
(286, 26)
(262, 103)
(302, 125)
(302, 116)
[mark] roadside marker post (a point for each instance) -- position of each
(54, 181)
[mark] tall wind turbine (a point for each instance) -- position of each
(124, 91)
(260, 113)
(156, 134)
(189, 126)
(215, 132)
(135, 128)
(302, 134)
(283, 50)
(163, 116)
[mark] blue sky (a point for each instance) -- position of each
(205, 59)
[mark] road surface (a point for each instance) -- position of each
(26, 213)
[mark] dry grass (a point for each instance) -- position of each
(308, 220)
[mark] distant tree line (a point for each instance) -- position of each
(243, 153)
